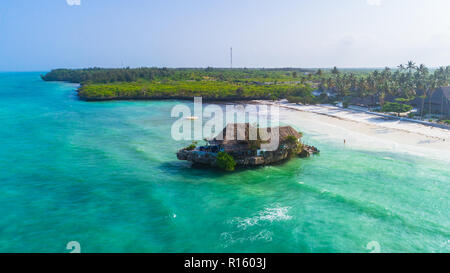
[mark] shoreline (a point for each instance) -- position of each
(360, 130)
(441, 132)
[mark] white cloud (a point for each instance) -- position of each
(374, 2)
(73, 2)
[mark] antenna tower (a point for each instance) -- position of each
(231, 57)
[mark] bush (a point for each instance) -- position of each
(293, 145)
(323, 98)
(396, 107)
(402, 100)
(291, 140)
(226, 161)
(294, 99)
(192, 146)
(304, 100)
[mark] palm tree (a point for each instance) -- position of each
(421, 84)
(447, 74)
(384, 84)
(441, 80)
(330, 84)
(432, 86)
(342, 85)
(353, 83)
(396, 79)
(335, 71)
(410, 86)
(371, 86)
(322, 84)
(422, 69)
(411, 66)
(361, 89)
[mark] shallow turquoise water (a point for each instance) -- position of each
(106, 175)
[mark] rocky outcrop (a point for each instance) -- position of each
(308, 151)
(197, 157)
(266, 158)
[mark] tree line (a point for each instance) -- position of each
(405, 83)
(103, 75)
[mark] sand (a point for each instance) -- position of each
(362, 130)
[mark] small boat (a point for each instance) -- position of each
(192, 118)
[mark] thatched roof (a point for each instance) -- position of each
(441, 94)
(286, 131)
(243, 132)
(440, 101)
(237, 132)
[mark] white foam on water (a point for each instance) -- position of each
(231, 238)
(263, 235)
(267, 215)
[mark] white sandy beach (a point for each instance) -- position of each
(361, 129)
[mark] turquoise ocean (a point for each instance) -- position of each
(105, 174)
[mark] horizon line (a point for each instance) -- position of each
(214, 67)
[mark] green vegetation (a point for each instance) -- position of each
(239, 75)
(377, 86)
(345, 103)
(396, 107)
(208, 89)
(164, 83)
(293, 145)
(192, 146)
(403, 84)
(226, 161)
(302, 95)
(291, 140)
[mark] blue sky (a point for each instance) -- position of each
(45, 34)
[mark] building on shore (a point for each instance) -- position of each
(440, 102)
